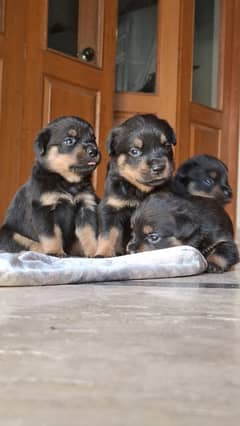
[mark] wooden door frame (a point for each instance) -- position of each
(35, 47)
(186, 108)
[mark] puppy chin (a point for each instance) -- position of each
(83, 169)
(154, 182)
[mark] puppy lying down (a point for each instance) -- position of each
(164, 221)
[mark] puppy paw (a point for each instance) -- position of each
(213, 268)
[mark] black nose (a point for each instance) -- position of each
(227, 192)
(157, 166)
(92, 151)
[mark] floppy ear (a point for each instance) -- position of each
(41, 142)
(112, 140)
(186, 226)
(170, 134)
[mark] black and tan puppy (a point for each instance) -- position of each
(55, 211)
(164, 221)
(205, 176)
(141, 161)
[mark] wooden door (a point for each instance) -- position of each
(162, 99)
(210, 126)
(11, 97)
(48, 82)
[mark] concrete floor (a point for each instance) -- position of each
(145, 353)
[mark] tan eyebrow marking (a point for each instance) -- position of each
(72, 132)
(138, 143)
(147, 229)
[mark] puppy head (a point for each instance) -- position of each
(67, 146)
(205, 176)
(141, 149)
(161, 222)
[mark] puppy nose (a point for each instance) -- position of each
(92, 151)
(227, 192)
(157, 166)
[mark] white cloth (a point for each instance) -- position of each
(31, 268)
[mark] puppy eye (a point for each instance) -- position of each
(69, 141)
(135, 152)
(208, 181)
(153, 238)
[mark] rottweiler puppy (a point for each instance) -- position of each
(205, 176)
(141, 162)
(55, 211)
(164, 221)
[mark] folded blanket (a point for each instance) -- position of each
(31, 268)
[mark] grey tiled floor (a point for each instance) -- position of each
(162, 352)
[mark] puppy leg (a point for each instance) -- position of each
(86, 233)
(111, 229)
(11, 241)
(222, 257)
(49, 232)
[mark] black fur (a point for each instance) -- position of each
(164, 221)
(141, 162)
(55, 211)
(205, 176)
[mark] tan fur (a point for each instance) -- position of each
(106, 244)
(174, 241)
(118, 203)
(163, 139)
(136, 176)
(138, 143)
(147, 229)
(87, 239)
(193, 191)
(87, 199)
(60, 163)
(53, 198)
(53, 244)
(133, 175)
(217, 260)
(28, 243)
(72, 132)
(213, 174)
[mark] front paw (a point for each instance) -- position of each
(213, 268)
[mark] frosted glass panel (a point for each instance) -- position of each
(136, 46)
(206, 54)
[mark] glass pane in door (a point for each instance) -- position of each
(136, 46)
(2, 15)
(75, 28)
(206, 54)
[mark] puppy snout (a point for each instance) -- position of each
(92, 151)
(157, 166)
(227, 192)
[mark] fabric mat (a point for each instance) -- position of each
(31, 268)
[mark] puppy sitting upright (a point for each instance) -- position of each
(141, 161)
(205, 176)
(54, 212)
(164, 221)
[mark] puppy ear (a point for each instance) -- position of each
(186, 226)
(170, 134)
(112, 140)
(41, 142)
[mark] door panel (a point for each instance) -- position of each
(82, 102)
(163, 98)
(201, 128)
(11, 97)
(204, 139)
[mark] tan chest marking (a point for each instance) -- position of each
(54, 198)
(118, 203)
